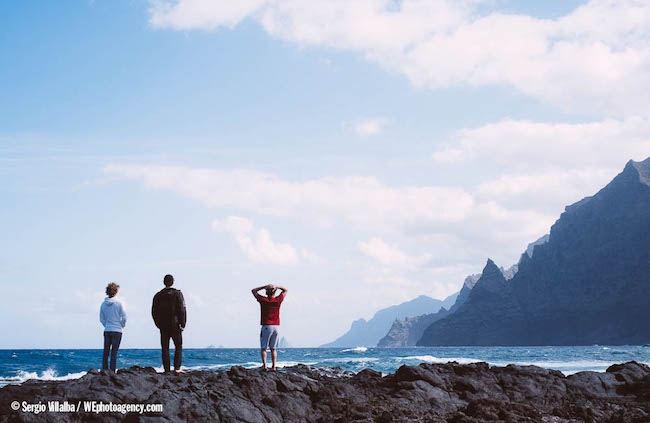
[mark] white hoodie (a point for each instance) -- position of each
(112, 315)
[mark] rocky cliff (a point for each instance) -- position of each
(425, 393)
(589, 283)
(364, 333)
(407, 332)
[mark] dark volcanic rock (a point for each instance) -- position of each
(424, 393)
(587, 284)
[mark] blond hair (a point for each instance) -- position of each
(111, 289)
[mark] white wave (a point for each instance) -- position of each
(438, 360)
(49, 374)
(356, 349)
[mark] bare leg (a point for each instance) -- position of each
(264, 358)
(274, 357)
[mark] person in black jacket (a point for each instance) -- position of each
(170, 316)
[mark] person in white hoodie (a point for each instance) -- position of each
(113, 317)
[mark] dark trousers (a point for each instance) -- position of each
(177, 336)
(111, 345)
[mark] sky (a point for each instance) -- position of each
(359, 153)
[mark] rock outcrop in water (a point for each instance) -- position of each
(367, 333)
(589, 283)
(425, 393)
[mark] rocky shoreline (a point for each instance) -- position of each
(426, 393)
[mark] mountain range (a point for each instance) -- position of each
(407, 332)
(588, 283)
(364, 333)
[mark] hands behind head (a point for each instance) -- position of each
(270, 287)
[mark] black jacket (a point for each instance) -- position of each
(168, 309)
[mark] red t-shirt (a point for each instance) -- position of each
(270, 309)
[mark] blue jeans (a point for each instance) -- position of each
(111, 339)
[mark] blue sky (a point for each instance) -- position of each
(360, 153)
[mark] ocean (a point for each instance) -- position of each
(17, 366)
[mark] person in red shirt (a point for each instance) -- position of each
(270, 320)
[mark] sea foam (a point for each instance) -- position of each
(356, 349)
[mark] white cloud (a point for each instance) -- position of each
(310, 258)
(524, 144)
(258, 245)
(473, 228)
(201, 14)
(370, 126)
(363, 202)
(234, 225)
(596, 58)
(541, 167)
(390, 255)
(548, 190)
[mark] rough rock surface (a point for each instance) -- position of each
(588, 284)
(425, 393)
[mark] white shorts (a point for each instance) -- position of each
(269, 337)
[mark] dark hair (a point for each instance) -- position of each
(169, 280)
(111, 289)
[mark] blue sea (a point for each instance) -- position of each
(17, 366)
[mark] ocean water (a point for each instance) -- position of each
(17, 366)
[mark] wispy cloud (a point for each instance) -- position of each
(390, 255)
(361, 201)
(358, 203)
(528, 144)
(596, 58)
(370, 126)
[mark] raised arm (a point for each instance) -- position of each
(255, 291)
(283, 289)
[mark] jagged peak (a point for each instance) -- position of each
(422, 297)
(540, 241)
(490, 268)
(471, 280)
(642, 169)
(633, 173)
(510, 272)
(492, 279)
